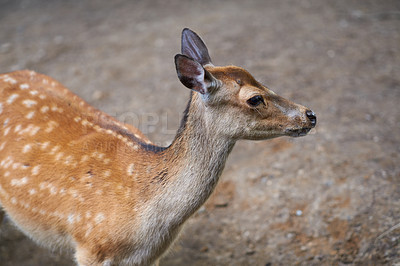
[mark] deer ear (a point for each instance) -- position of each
(193, 75)
(194, 47)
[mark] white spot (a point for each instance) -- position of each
(27, 129)
(77, 119)
(30, 115)
(25, 204)
(99, 218)
(107, 173)
(6, 162)
(97, 128)
(50, 126)
(53, 190)
(2, 191)
(42, 96)
(45, 81)
(98, 155)
(19, 182)
(35, 170)
(24, 86)
(27, 148)
(29, 103)
(43, 185)
(44, 109)
(70, 219)
(136, 147)
(130, 169)
(34, 131)
(5, 123)
(2, 145)
(17, 128)
(54, 150)
(16, 165)
(11, 99)
(33, 92)
(45, 145)
(84, 158)
(32, 191)
(89, 229)
(1, 108)
(73, 193)
(58, 214)
(13, 200)
(59, 156)
(6, 131)
(68, 160)
(7, 174)
(10, 80)
(54, 108)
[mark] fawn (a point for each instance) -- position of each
(73, 177)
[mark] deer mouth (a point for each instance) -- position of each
(298, 132)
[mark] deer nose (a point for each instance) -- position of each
(311, 115)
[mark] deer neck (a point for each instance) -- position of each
(197, 157)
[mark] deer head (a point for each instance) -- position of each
(235, 103)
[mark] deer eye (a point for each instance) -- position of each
(255, 101)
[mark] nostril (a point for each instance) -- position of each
(311, 115)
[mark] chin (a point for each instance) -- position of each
(298, 132)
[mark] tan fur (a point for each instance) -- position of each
(72, 176)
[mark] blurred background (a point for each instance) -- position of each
(332, 197)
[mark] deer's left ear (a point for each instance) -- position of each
(193, 75)
(194, 47)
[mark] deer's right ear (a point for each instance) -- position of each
(193, 75)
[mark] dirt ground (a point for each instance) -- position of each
(330, 198)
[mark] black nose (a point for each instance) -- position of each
(311, 115)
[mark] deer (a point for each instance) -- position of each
(73, 177)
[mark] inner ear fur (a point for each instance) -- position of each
(193, 75)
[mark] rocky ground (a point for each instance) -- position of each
(329, 198)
